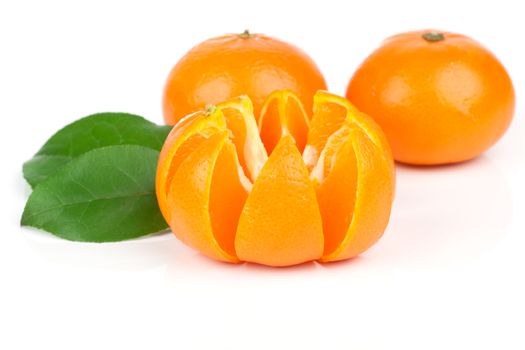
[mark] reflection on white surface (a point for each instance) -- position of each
(137, 254)
(446, 215)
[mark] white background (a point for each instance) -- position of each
(448, 274)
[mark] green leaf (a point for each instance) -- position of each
(107, 194)
(86, 134)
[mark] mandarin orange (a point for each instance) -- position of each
(238, 193)
(440, 97)
(236, 64)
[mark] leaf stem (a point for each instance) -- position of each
(433, 36)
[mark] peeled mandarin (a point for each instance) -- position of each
(281, 191)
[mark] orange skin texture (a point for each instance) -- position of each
(438, 102)
(281, 189)
(191, 191)
(234, 65)
(269, 231)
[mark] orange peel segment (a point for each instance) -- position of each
(353, 173)
(171, 155)
(330, 113)
(373, 201)
(357, 196)
(189, 199)
(335, 181)
(280, 223)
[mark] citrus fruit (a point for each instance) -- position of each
(439, 97)
(280, 189)
(235, 64)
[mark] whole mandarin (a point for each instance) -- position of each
(440, 97)
(238, 64)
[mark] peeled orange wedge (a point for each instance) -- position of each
(280, 189)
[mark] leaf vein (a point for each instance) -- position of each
(65, 205)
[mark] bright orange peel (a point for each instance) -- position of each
(280, 189)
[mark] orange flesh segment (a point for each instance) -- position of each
(280, 223)
(283, 114)
(190, 203)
